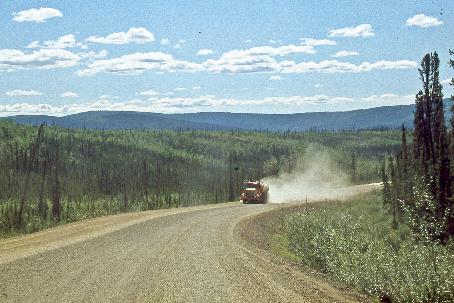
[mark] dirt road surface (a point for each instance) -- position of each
(193, 254)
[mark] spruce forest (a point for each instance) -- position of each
(50, 175)
(419, 188)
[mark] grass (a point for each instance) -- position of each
(355, 244)
(279, 244)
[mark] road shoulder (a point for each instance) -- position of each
(260, 235)
(23, 246)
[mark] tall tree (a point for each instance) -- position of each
(440, 136)
(386, 185)
(55, 187)
(418, 136)
(431, 150)
(450, 206)
(31, 159)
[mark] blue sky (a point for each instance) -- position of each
(63, 57)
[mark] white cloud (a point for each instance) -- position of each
(362, 30)
(334, 66)
(269, 51)
(138, 35)
(23, 93)
(94, 55)
(137, 63)
(207, 101)
(108, 97)
(30, 109)
(34, 44)
(67, 109)
(446, 81)
(167, 104)
(204, 52)
(378, 97)
(66, 41)
(318, 85)
(255, 59)
(276, 78)
(424, 21)
(149, 93)
(246, 64)
(69, 95)
(37, 15)
(165, 41)
(164, 104)
(12, 59)
(196, 87)
(248, 41)
(250, 64)
(317, 42)
(345, 54)
(390, 99)
(179, 44)
(180, 89)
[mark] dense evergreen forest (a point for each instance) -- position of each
(50, 175)
(421, 188)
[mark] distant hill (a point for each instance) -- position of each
(116, 120)
(379, 117)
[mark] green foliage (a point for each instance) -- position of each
(80, 173)
(421, 187)
(356, 244)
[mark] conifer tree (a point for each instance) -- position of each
(418, 135)
(440, 135)
(431, 151)
(55, 187)
(31, 159)
(450, 204)
(386, 185)
(394, 196)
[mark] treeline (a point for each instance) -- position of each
(419, 189)
(51, 175)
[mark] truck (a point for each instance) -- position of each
(254, 192)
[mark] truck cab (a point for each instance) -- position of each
(254, 192)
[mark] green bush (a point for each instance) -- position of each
(356, 244)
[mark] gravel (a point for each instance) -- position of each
(194, 254)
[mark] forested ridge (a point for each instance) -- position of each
(379, 117)
(50, 175)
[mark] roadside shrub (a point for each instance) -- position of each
(355, 244)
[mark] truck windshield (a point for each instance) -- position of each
(250, 185)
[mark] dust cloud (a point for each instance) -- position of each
(315, 177)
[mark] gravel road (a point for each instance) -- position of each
(194, 254)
